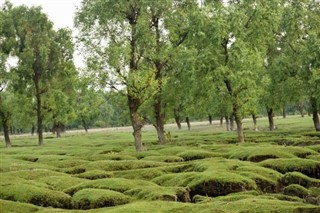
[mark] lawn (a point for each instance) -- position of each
(202, 170)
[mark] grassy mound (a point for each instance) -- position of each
(61, 183)
(208, 183)
(35, 195)
(97, 198)
(115, 184)
(95, 174)
(160, 193)
(109, 165)
(299, 178)
(296, 190)
(7, 206)
(308, 167)
(143, 174)
(195, 155)
(167, 159)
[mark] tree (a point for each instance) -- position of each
(115, 33)
(36, 59)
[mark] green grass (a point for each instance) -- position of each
(202, 170)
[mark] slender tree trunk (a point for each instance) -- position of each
(39, 111)
(301, 109)
(6, 129)
(33, 129)
(255, 126)
(188, 123)
(85, 126)
(177, 118)
(315, 116)
(284, 113)
(136, 122)
(221, 120)
(232, 122)
(210, 119)
(270, 119)
(238, 119)
(227, 123)
(159, 115)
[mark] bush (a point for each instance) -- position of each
(97, 198)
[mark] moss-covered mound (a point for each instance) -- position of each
(299, 178)
(208, 183)
(95, 174)
(61, 183)
(160, 193)
(115, 184)
(296, 190)
(35, 195)
(97, 198)
(7, 206)
(308, 167)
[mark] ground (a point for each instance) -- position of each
(202, 170)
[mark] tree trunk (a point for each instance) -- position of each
(221, 120)
(136, 122)
(315, 116)
(227, 123)
(232, 122)
(85, 126)
(238, 120)
(210, 119)
(58, 127)
(188, 123)
(301, 109)
(284, 113)
(255, 126)
(33, 129)
(6, 130)
(159, 125)
(39, 111)
(270, 119)
(177, 118)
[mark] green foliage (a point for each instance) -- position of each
(7, 206)
(97, 198)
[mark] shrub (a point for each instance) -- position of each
(97, 198)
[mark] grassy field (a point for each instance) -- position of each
(202, 170)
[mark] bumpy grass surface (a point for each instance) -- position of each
(202, 170)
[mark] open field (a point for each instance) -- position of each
(202, 170)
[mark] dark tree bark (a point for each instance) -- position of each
(85, 125)
(221, 120)
(228, 123)
(39, 110)
(270, 119)
(255, 126)
(177, 118)
(315, 116)
(159, 125)
(232, 118)
(301, 109)
(210, 119)
(240, 133)
(188, 123)
(137, 124)
(33, 129)
(284, 113)
(5, 125)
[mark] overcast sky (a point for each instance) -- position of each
(60, 12)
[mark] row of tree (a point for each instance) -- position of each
(169, 59)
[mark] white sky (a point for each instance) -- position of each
(60, 12)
